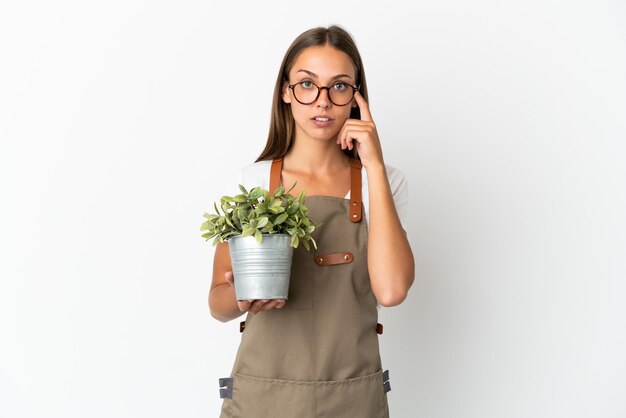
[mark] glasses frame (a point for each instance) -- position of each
(319, 90)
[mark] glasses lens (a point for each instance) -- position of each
(305, 92)
(341, 93)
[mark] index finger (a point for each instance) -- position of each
(363, 106)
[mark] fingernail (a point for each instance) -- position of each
(266, 300)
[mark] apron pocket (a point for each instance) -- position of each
(362, 397)
(256, 397)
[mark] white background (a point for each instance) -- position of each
(122, 121)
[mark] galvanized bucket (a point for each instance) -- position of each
(261, 271)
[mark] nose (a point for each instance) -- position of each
(323, 100)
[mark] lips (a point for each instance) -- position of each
(321, 118)
(321, 121)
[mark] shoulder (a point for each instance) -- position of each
(256, 174)
(397, 180)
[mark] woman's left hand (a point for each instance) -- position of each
(362, 133)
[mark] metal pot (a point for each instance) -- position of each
(261, 271)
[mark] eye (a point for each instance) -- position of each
(340, 86)
(306, 84)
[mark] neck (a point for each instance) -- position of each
(315, 156)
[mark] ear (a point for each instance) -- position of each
(286, 93)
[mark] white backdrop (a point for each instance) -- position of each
(122, 121)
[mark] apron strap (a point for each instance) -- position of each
(355, 191)
(277, 166)
(355, 185)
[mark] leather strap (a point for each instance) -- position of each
(333, 259)
(355, 185)
(355, 191)
(277, 166)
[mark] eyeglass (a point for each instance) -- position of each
(340, 93)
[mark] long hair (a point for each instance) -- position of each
(282, 125)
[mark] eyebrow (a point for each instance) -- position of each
(332, 78)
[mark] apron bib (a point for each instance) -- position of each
(318, 356)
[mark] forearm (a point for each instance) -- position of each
(223, 304)
(390, 259)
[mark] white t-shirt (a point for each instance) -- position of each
(258, 175)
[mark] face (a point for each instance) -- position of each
(323, 66)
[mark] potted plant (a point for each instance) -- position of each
(261, 230)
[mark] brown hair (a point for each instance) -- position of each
(282, 124)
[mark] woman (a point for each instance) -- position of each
(317, 355)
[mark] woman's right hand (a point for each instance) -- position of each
(257, 305)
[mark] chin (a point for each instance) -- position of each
(323, 136)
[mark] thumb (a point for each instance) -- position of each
(229, 277)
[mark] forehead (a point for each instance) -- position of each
(325, 61)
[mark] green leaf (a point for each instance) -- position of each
(306, 245)
(261, 208)
(256, 193)
(294, 185)
(268, 228)
(258, 236)
(227, 199)
(243, 189)
(240, 198)
(247, 231)
(293, 208)
(294, 241)
(281, 218)
(278, 209)
(262, 222)
(279, 191)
